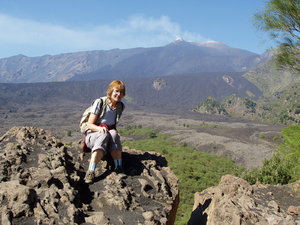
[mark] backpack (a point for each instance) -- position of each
(103, 103)
(85, 117)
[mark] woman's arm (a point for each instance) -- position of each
(91, 124)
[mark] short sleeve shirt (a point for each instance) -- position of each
(109, 117)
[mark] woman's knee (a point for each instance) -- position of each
(102, 135)
(114, 134)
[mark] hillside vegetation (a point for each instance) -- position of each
(284, 166)
(270, 80)
(197, 171)
(280, 103)
(283, 108)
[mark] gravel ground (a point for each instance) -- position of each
(247, 143)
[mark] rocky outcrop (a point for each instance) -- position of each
(41, 182)
(159, 84)
(234, 201)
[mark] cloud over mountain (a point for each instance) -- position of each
(58, 38)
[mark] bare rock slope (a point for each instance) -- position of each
(41, 182)
(234, 201)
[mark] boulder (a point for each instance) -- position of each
(234, 201)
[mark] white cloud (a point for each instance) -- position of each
(32, 38)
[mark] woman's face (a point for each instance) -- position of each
(116, 95)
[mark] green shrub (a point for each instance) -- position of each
(291, 136)
(284, 166)
(152, 135)
(211, 105)
(267, 108)
(250, 105)
(184, 144)
(297, 111)
(284, 118)
(276, 170)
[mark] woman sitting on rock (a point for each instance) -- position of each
(101, 133)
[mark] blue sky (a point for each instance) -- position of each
(41, 27)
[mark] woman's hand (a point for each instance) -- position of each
(103, 130)
(92, 124)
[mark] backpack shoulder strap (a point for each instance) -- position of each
(86, 115)
(103, 104)
(120, 108)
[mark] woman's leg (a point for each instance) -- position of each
(116, 150)
(116, 154)
(96, 157)
(98, 143)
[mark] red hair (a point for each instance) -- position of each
(117, 84)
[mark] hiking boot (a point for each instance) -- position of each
(119, 170)
(89, 177)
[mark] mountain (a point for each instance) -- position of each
(178, 57)
(179, 92)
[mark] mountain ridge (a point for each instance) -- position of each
(179, 57)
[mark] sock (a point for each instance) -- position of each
(118, 162)
(92, 166)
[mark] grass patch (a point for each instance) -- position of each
(195, 170)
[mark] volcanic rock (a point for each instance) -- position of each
(42, 182)
(234, 201)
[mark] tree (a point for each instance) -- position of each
(281, 18)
